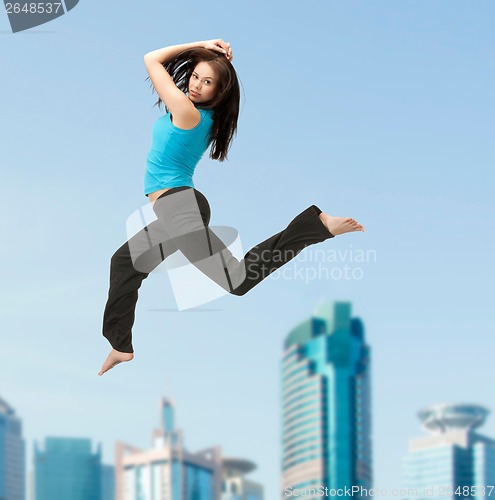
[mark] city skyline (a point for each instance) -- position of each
(67, 468)
(381, 111)
(452, 426)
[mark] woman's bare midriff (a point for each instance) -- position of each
(155, 194)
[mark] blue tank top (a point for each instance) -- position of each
(175, 152)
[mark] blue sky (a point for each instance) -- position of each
(382, 111)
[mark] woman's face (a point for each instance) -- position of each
(203, 83)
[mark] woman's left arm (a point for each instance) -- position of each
(168, 53)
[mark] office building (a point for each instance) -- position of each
(454, 460)
(326, 404)
(235, 486)
(107, 482)
(12, 455)
(169, 472)
(67, 469)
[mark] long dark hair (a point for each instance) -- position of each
(225, 104)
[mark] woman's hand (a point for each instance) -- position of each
(220, 46)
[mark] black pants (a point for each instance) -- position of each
(183, 215)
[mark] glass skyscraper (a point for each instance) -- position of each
(326, 405)
(67, 469)
(170, 472)
(12, 455)
(454, 461)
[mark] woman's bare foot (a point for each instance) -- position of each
(115, 358)
(340, 225)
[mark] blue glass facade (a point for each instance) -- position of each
(188, 481)
(176, 475)
(199, 483)
(448, 468)
(167, 417)
(484, 463)
(67, 470)
(430, 468)
(107, 482)
(326, 402)
(12, 455)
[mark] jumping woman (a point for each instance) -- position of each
(200, 89)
